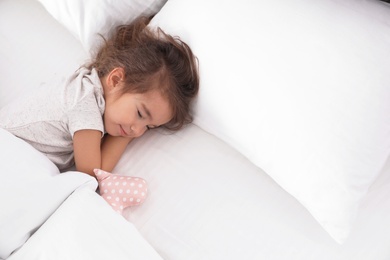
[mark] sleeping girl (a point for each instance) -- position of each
(139, 80)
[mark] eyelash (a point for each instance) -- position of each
(140, 116)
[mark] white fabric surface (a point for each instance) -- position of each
(206, 201)
(87, 19)
(31, 189)
(35, 52)
(85, 227)
(299, 87)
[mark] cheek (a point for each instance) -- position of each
(121, 110)
(110, 121)
(120, 113)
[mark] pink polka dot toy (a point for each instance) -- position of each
(121, 191)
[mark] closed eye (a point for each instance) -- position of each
(139, 114)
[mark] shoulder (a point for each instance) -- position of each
(84, 89)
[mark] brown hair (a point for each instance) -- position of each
(147, 55)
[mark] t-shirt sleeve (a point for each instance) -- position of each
(85, 115)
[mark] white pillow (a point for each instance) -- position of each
(31, 189)
(299, 87)
(88, 18)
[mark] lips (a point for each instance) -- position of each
(122, 131)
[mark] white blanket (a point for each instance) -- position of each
(31, 189)
(85, 227)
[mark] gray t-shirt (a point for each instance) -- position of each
(48, 119)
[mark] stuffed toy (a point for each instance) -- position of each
(121, 191)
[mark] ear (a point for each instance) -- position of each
(115, 78)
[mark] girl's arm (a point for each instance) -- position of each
(86, 147)
(91, 153)
(112, 149)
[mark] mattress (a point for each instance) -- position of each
(206, 200)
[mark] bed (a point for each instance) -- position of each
(287, 157)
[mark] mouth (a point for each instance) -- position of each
(122, 131)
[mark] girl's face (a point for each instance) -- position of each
(131, 114)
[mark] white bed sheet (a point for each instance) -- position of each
(86, 228)
(206, 201)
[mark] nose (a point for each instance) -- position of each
(138, 130)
